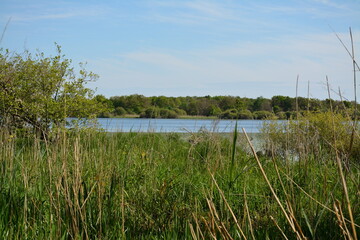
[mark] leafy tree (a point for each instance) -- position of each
(41, 92)
(263, 115)
(245, 114)
(151, 112)
(119, 111)
(166, 113)
(180, 112)
(229, 114)
(282, 103)
(107, 104)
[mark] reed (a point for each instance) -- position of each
(95, 185)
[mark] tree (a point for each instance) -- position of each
(39, 92)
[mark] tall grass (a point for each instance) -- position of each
(96, 185)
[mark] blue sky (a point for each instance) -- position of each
(194, 48)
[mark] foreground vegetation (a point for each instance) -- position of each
(95, 185)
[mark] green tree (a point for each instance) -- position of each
(283, 103)
(39, 92)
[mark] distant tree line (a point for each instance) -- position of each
(224, 107)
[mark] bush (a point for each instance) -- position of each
(264, 115)
(180, 112)
(245, 114)
(41, 92)
(281, 115)
(229, 114)
(119, 111)
(166, 113)
(155, 112)
(312, 134)
(151, 112)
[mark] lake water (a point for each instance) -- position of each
(177, 125)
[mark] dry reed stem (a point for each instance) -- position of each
(122, 212)
(248, 215)
(299, 236)
(215, 218)
(277, 225)
(292, 215)
(341, 220)
(347, 50)
(192, 231)
(312, 198)
(296, 98)
(355, 92)
(209, 229)
(339, 164)
(228, 206)
(198, 226)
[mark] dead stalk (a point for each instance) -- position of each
(340, 169)
(228, 206)
(298, 234)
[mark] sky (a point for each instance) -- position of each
(243, 48)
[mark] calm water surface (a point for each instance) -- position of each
(176, 125)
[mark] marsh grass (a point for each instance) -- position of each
(96, 185)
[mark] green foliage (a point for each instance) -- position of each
(151, 112)
(245, 114)
(180, 112)
(263, 115)
(155, 112)
(95, 185)
(41, 92)
(315, 133)
(119, 111)
(222, 106)
(229, 114)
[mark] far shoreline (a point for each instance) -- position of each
(200, 117)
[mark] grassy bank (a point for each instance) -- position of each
(93, 185)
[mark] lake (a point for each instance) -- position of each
(177, 125)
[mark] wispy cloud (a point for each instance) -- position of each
(239, 67)
(191, 12)
(203, 11)
(330, 3)
(48, 12)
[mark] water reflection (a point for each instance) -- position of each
(176, 125)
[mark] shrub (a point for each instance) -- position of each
(166, 113)
(119, 111)
(155, 112)
(229, 114)
(245, 114)
(180, 112)
(151, 112)
(264, 115)
(41, 92)
(312, 134)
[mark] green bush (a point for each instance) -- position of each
(180, 112)
(245, 114)
(119, 111)
(314, 133)
(151, 112)
(166, 113)
(229, 114)
(155, 112)
(263, 115)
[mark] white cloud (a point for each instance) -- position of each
(34, 13)
(191, 12)
(232, 68)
